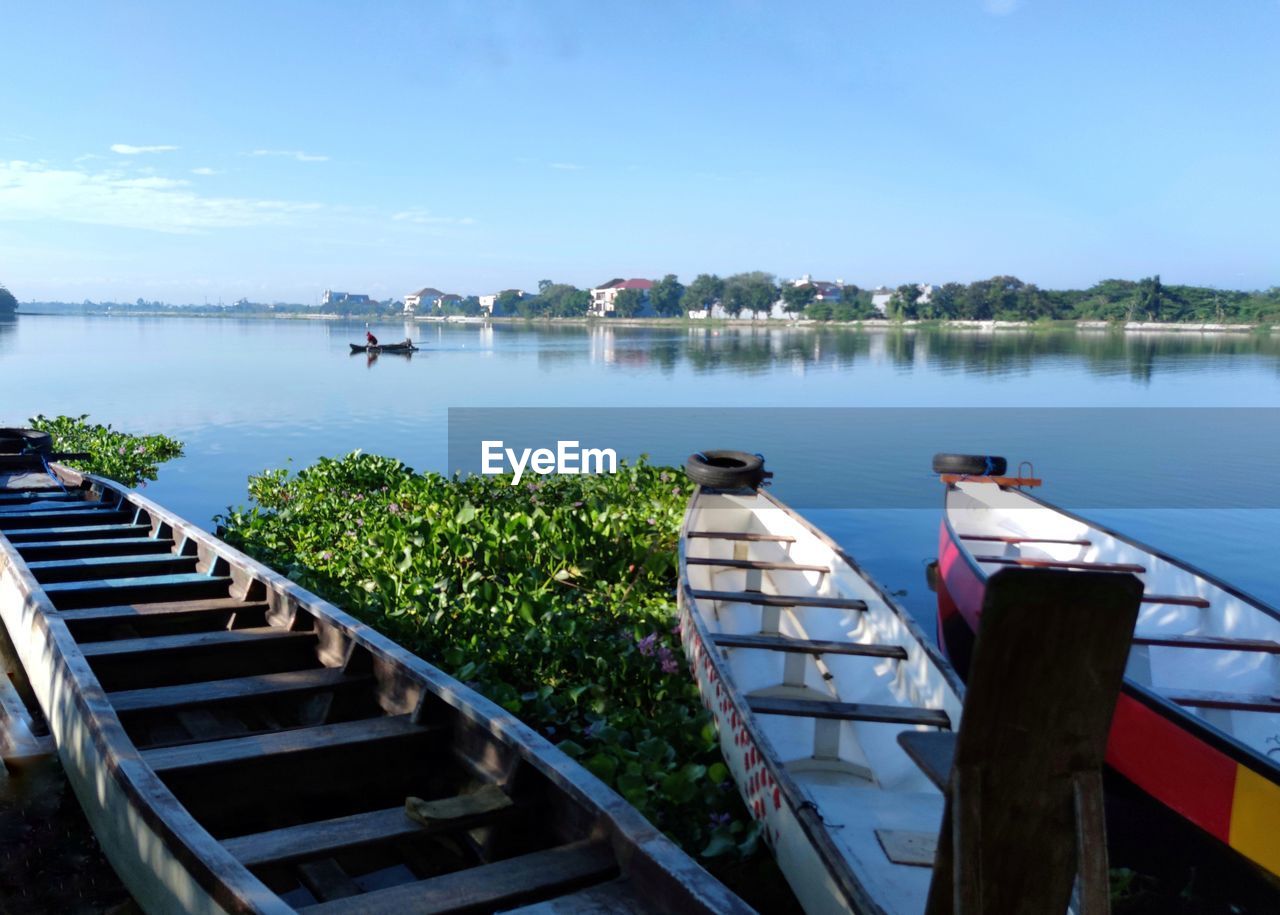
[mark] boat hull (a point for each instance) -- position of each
(1182, 764)
(388, 348)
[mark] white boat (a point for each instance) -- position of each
(812, 671)
(1197, 724)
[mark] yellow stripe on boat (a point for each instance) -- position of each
(1255, 812)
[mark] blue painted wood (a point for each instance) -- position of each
(72, 595)
(19, 536)
(42, 550)
(62, 570)
(190, 641)
(30, 519)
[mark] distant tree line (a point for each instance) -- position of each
(1000, 298)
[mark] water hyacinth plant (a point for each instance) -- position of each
(128, 459)
(554, 598)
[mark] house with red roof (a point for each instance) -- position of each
(604, 296)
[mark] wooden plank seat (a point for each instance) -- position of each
(71, 595)
(296, 741)
(849, 711)
(1209, 642)
(487, 887)
(127, 612)
(32, 496)
(192, 641)
(756, 564)
(20, 536)
(209, 692)
(1236, 702)
(31, 519)
(996, 538)
(335, 835)
(781, 600)
(44, 550)
(1177, 601)
(741, 536)
(49, 571)
(769, 642)
(1059, 564)
(933, 751)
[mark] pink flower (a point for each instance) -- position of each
(394, 508)
(669, 666)
(646, 644)
(122, 449)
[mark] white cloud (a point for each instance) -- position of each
(291, 154)
(203, 170)
(125, 149)
(1000, 7)
(35, 191)
(567, 166)
(422, 217)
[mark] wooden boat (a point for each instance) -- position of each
(812, 672)
(384, 348)
(240, 745)
(1197, 722)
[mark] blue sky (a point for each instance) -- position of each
(270, 150)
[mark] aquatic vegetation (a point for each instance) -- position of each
(121, 456)
(554, 598)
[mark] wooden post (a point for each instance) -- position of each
(1024, 809)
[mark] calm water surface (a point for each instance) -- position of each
(250, 395)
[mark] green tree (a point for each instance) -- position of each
(755, 291)
(666, 295)
(628, 302)
(8, 304)
(798, 298)
(902, 305)
(1149, 298)
(508, 301)
(704, 292)
(818, 311)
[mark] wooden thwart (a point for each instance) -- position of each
(331, 836)
(161, 608)
(1177, 601)
(221, 638)
(76, 569)
(20, 536)
(281, 743)
(743, 536)
(1236, 702)
(487, 887)
(208, 692)
(807, 646)
(1059, 564)
(995, 538)
(1209, 642)
(781, 600)
(762, 564)
(42, 550)
(849, 711)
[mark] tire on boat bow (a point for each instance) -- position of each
(987, 465)
(726, 469)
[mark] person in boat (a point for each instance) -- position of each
(369, 337)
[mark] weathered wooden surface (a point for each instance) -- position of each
(1022, 817)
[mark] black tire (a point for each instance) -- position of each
(18, 441)
(726, 469)
(971, 464)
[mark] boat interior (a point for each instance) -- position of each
(832, 673)
(1211, 651)
(293, 741)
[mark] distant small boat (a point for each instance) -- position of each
(1197, 725)
(384, 348)
(812, 672)
(240, 745)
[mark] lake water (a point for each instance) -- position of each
(1170, 438)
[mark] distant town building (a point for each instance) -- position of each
(823, 290)
(604, 296)
(489, 303)
(343, 298)
(426, 297)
